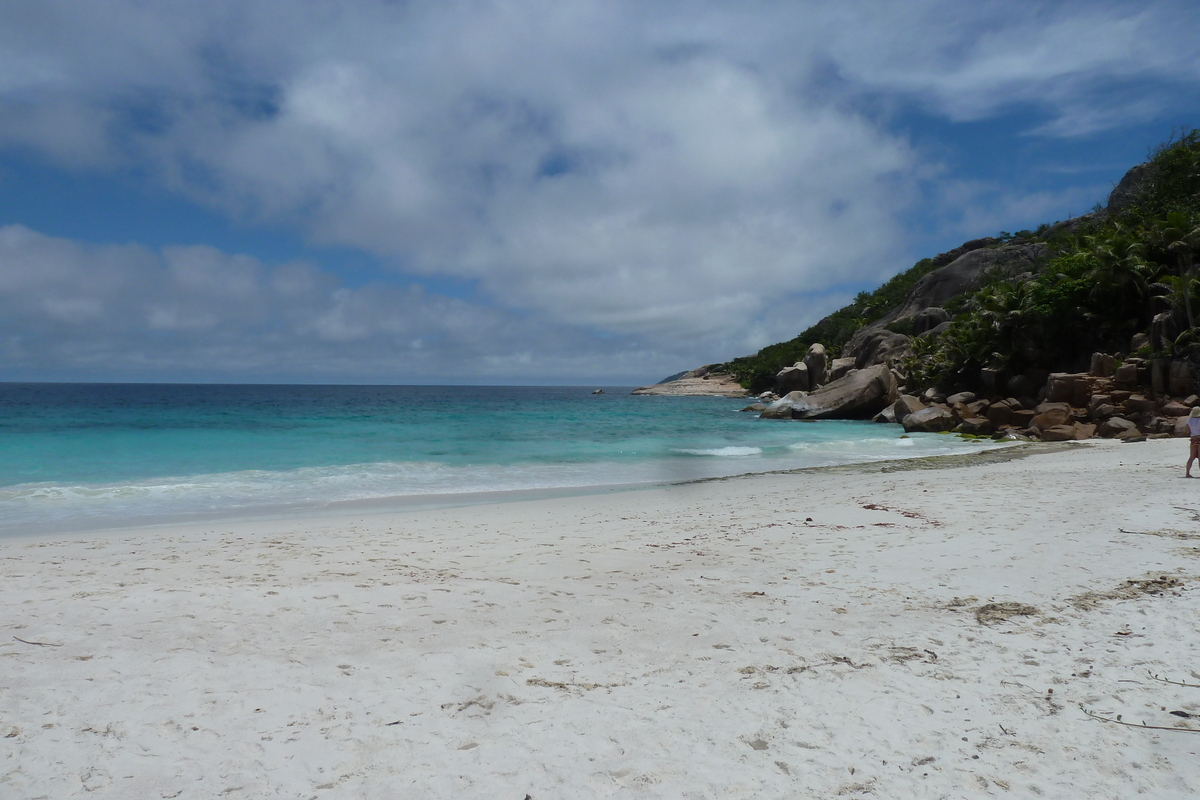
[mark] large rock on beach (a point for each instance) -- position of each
(999, 414)
(1113, 427)
(1059, 433)
(876, 346)
(1174, 409)
(1060, 386)
(1126, 376)
(860, 395)
(906, 404)
(1102, 365)
(978, 426)
(1163, 330)
(817, 362)
(932, 419)
(1066, 433)
(840, 367)
(1137, 404)
(1052, 414)
(782, 408)
(1023, 417)
(793, 379)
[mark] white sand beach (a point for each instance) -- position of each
(819, 634)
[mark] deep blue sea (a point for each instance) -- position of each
(80, 456)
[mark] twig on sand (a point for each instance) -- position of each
(1195, 514)
(39, 644)
(1120, 721)
(1166, 533)
(1174, 683)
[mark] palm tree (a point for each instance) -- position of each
(1004, 308)
(1121, 270)
(1179, 235)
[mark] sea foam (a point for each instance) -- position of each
(723, 451)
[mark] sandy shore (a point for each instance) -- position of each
(827, 633)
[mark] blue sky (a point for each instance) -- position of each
(533, 192)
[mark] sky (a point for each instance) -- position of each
(525, 192)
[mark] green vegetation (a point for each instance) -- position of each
(1103, 282)
(757, 372)
(1102, 285)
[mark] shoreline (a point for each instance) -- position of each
(404, 503)
(870, 631)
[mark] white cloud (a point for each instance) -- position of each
(1067, 59)
(195, 312)
(674, 173)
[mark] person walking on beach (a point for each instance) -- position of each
(1194, 432)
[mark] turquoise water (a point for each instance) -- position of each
(74, 456)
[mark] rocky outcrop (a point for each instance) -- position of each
(817, 362)
(906, 404)
(859, 395)
(1130, 403)
(1073, 224)
(1126, 376)
(1127, 191)
(1102, 365)
(702, 381)
(1116, 426)
(1163, 330)
(929, 318)
(840, 367)
(942, 259)
(976, 426)
(781, 408)
(888, 415)
(932, 419)
(1059, 433)
(792, 379)
(877, 344)
(964, 273)
(1050, 415)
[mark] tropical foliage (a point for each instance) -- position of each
(1102, 283)
(757, 372)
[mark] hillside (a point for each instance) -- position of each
(1119, 280)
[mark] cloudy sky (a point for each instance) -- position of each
(479, 191)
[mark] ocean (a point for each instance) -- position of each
(79, 457)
